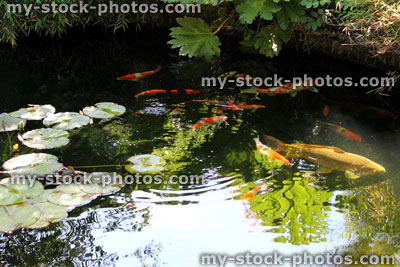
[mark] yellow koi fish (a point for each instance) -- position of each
(329, 158)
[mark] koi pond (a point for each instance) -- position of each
(216, 193)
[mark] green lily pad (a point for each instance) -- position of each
(7, 223)
(24, 214)
(45, 138)
(41, 223)
(69, 199)
(35, 112)
(146, 163)
(9, 123)
(99, 189)
(41, 198)
(52, 212)
(69, 188)
(33, 164)
(9, 196)
(21, 186)
(66, 120)
(104, 110)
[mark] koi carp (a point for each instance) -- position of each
(137, 76)
(151, 92)
(270, 153)
(209, 121)
(343, 131)
(285, 89)
(329, 158)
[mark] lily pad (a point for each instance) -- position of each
(9, 196)
(33, 164)
(9, 123)
(52, 212)
(24, 214)
(23, 187)
(42, 222)
(69, 188)
(35, 112)
(146, 163)
(104, 110)
(69, 199)
(41, 198)
(99, 189)
(66, 120)
(6, 221)
(45, 138)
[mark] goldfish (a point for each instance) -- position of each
(176, 111)
(151, 92)
(250, 106)
(239, 106)
(329, 158)
(285, 89)
(326, 110)
(251, 194)
(209, 121)
(139, 75)
(229, 105)
(191, 91)
(173, 91)
(270, 153)
(342, 131)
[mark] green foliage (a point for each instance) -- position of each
(250, 9)
(194, 38)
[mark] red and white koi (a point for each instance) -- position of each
(209, 121)
(151, 92)
(270, 153)
(343, 131)
(137, 76)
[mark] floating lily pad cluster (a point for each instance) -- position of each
(146, 163)
(32, 206)
(60, 122)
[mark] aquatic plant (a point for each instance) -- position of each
(45, 138)
(104, 110)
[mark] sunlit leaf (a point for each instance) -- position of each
(104, 110)
(9, 123)
(45, 138)
(35, 112)
(38, 164)
(66, 120)
(194, 38)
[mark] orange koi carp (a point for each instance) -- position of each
(343, 131)
(209, 121)
(326, 110)
(137, 76)
(151, 92)
(270, 153)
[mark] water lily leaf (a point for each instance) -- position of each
(33, 164)
(9, 123)
(6, 221)
(104, 110)
(99, 189)
(41, 198)
(146, 163)
(69, 188)
(52, 212)
(23, 187)
(45, 138)
(24, 214)
(35, 112)
(69, 199)
(9, 197)
(41, 223)
(66, 120)
(194, 38)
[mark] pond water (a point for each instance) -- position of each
(296, 209)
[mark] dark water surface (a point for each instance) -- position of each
(297, 209)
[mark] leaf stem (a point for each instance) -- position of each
(220, 26)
